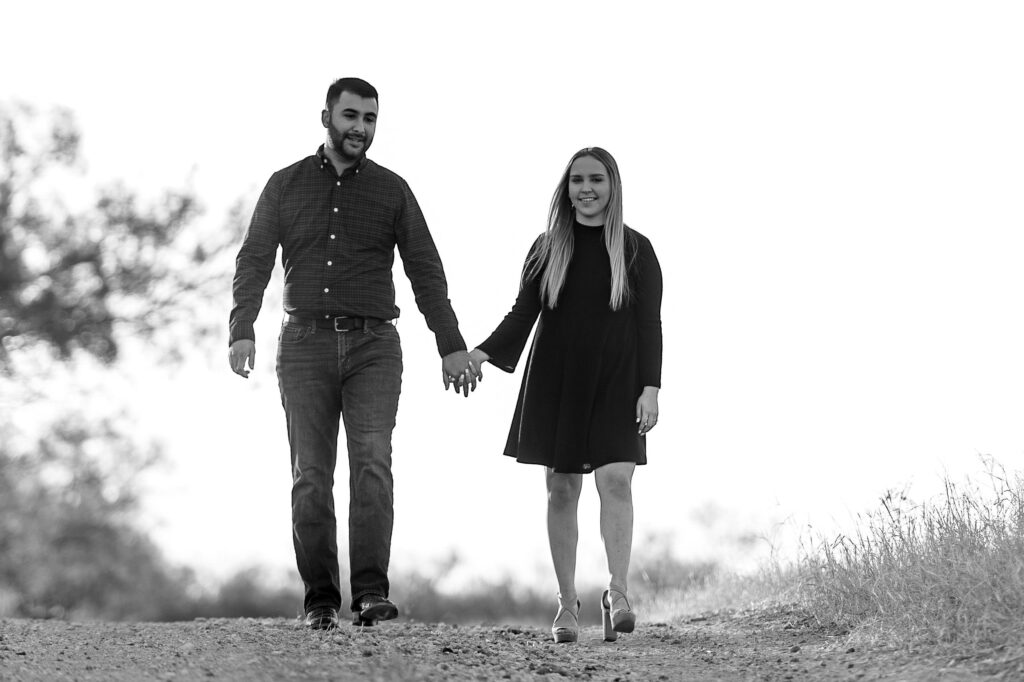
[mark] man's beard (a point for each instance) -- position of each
(338, 143)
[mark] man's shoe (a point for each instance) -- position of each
(322, 618)
(358, 620)
(372, 608)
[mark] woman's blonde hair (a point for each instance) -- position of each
(551, 259)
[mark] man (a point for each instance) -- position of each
(338, 216)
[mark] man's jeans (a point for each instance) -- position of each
(357, 375)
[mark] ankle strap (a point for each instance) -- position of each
(621, 593)
(568, 606)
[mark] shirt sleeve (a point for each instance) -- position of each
(506, 344)
(648, 315)
(423, 267)
(255, 263)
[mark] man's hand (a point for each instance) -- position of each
(458, 369)
(647, 410)
(240, 351)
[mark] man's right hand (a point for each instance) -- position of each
(458, 369)
(240, 351)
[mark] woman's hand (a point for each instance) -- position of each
(479, 358)
(647, 410)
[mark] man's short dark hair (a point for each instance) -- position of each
(357, 86)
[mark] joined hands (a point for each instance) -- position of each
(462, 370)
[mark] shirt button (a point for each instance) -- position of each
(327, 317)
(339, 183)
(332, 236)
(326, 290)
(330, 262)
(335, 210)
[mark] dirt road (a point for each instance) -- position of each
(779, 645)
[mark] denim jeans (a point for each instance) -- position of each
(357, 376)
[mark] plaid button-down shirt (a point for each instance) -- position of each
(338, 236)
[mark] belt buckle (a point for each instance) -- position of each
(336, 320)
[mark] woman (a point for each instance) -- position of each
(590, 391)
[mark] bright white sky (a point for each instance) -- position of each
(833, 189)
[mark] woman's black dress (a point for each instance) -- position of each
(588, 364)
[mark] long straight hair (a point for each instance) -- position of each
(551, 259)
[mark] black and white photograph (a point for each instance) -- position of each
(527, 341)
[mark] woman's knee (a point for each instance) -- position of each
(617, 484)
(563, 490)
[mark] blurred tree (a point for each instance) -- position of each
(81, 269)
(82, 272)
(68, 543)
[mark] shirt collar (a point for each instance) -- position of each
(325, 162)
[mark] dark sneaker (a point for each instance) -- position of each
(322, 618)
(372, 608)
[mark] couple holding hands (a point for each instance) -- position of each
(591, 285)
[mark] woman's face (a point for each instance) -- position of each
(589, 190)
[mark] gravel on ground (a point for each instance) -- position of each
(778, 644)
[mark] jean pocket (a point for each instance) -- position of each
(294, 333)
(385, 330)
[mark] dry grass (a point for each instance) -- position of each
(942, 578)
(946, 574)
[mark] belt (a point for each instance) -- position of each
(343, 323)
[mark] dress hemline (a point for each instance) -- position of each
(587, 471)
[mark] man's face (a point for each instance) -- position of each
(350, 125)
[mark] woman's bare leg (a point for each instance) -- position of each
(615, 486)
(563, 530)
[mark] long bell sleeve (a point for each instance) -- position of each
(648, 314)
(506, 344)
